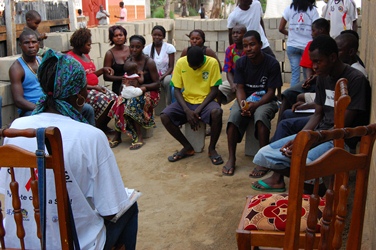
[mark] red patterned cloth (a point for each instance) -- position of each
(269, 212)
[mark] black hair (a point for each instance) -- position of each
(162, 29)
(121, 4)
(253, 33)
(46, 77)
(325, 44)
(322, 23)
(350, 39)
(25, 33)
(32, 14)
(79, 11)
(195, 56)
(138, 37)
(200, 32)
(352, 32)
(80, 37)
(302, 5)
(111, 33)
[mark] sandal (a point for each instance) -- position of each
(114, 144)
(136, 145)
(216, 160)
(228, 171)
(178, 156)
(258, 173)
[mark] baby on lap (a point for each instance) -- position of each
(131, 81)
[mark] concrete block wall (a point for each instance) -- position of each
(216, 37)
(59, 41)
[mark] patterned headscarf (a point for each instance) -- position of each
(70, 78)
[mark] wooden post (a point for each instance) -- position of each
(72, 16)
(10, 28)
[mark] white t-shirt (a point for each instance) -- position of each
(93, 181)
(250, 18)
(124, 13)
(161, 60)
(300, 26)
(100, 14)
(341, 15)
(359, 67)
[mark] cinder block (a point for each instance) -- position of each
(223, 24)
(196, 138)
(58, 41)
(274, 34)
(180, 45)
(103, 34)
(5, 63)
(139, 28)
(178, 24)
(148, 28)
(8, 113)
(95, 35)
(273, 23)
(217, 25)
(6, 93)
(221, 46)
(181, 35)
(287, 77)
(198, 24)
(223, 35)
(286, 65)
(95, 51)
(278, 45)
(210, 25)
(104, 47)
(190, 24)
(204, 25)
(251, 145)
(147, 133)
(221, 57)
(211, 36)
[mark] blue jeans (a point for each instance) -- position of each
(88, 113)
(270, 156)
(124, 231)
(294, 55)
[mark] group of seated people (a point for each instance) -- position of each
(60, 86)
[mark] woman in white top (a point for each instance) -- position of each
(300, 16)
(163, 55)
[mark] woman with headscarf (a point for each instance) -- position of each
(131, 115)
(90, 165)
(98, 96)
(163, 54)
(116, 56)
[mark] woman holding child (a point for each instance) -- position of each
(131, 115)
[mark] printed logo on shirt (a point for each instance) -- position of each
(329, 101)
(340, 8)
(205, 75)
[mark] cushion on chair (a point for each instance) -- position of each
(269, 212)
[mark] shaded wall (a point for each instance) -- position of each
(368, 54)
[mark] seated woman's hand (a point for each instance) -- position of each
(100, 88)
(108, 70)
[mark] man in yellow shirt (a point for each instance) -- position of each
(200, 77)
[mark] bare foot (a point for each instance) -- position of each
(259, 172)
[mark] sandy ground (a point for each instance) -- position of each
(187, 204)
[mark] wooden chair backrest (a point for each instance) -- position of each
(335, 161)
(15, 157)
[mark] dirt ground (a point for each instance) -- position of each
(187, 204)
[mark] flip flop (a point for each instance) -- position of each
(258, 173)
(267, 188)
(136, 145)
(216, 160)
(114, 144)
(178, 156)
(230, 171)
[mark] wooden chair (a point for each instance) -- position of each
(15, 157)
(246, 238)
(335, 161)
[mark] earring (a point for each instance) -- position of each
(82, 98)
